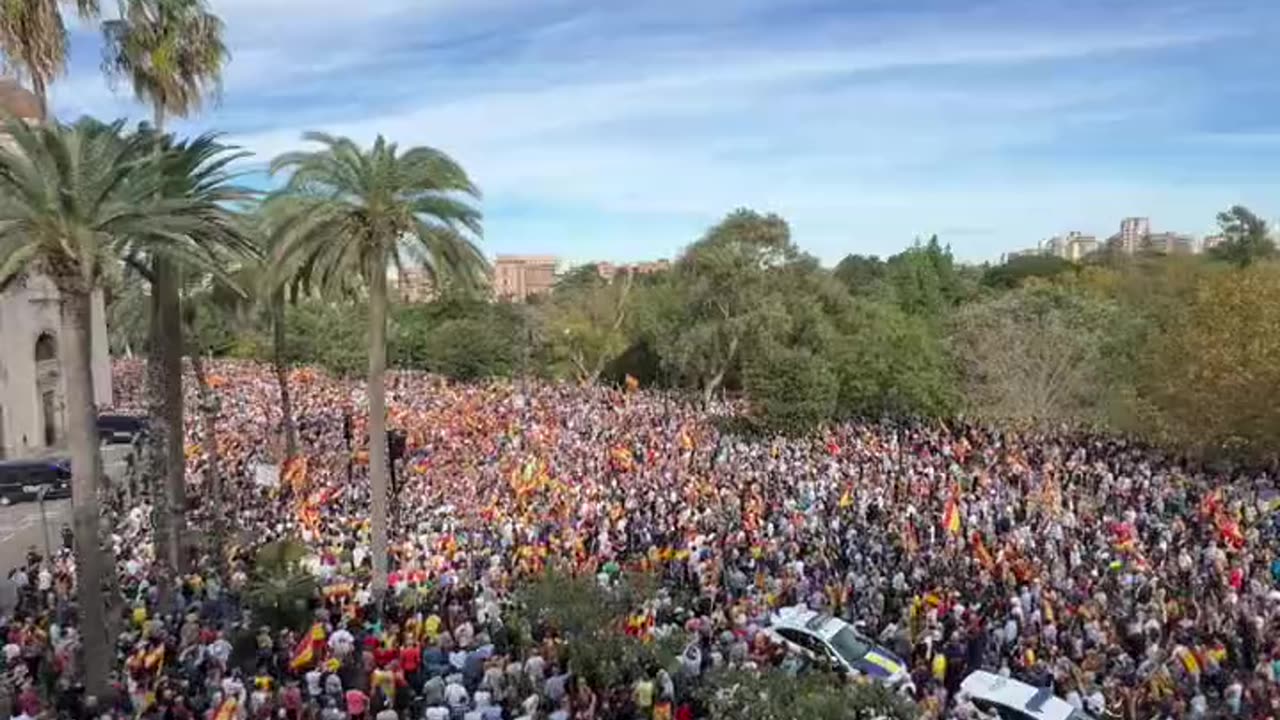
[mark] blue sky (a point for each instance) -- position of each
(621, 130)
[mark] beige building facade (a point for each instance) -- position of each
(516, 278)
(32, 392)
(32, 395)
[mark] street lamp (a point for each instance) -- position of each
(44, 524)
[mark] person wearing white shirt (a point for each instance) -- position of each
(341, 642)
(455, 695)
(315, 683)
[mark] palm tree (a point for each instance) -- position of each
(172, 52)
(34, 40)
(197, 170)
(268, 301)
(69, 198)
(351, 213)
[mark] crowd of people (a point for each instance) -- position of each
(1131, 583)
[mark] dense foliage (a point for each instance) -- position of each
(1175, 349)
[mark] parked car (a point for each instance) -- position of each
(824, 638)
(23, 479)
(120, 428)
(1011, 699)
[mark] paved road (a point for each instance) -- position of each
(21, 527)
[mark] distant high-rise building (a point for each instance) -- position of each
(519, 277)
(1073, 246)
(1169, 243)
(1133, 230)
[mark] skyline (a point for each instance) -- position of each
(622, 133)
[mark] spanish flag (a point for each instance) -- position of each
(154, 659)
(306, 652)
(951, 517)
(981, 553)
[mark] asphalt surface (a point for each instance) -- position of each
(21, 527)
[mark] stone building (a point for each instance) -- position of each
(32, 405)
(516, 278)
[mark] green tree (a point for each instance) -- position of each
(863, 275)
(731, 694)
(585, 325)
(331, 335)
(923, 279)
(1247, 237)
(890, 363)
(353, 214)
(73, 198)
(791, 390)
(172, 53)
(579, 276)
(1016, 271)
(589, 618)
(33, 38)
(1036, 355)
(724, 285)
(462, 338)
(1212, 380)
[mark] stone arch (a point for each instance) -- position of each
(48, 388)
(46, 347)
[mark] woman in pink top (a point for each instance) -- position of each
(357, 704)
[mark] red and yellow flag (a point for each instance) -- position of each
(308, 649)
(951, 517)
(981, 553)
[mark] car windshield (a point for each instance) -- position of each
(850, 647)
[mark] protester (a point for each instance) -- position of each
(1133, 584)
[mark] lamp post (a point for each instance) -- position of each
(44, 524)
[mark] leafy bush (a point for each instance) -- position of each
(776, 695)
(280, 590)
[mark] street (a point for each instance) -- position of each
(21, 527)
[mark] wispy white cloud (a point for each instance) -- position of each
(858, 125)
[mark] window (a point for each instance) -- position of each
(804, 640)
(849, 646)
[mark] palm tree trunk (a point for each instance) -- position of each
(164, 385)
(378, 424)
(282, 376)
(167, 462)
(86, 467)
(212, 473)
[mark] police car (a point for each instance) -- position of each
(1008, 698)
(825, 638)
